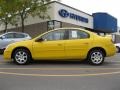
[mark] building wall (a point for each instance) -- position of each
(117, 38)
(118, 30)
(33, 30)
(58, 7)
(69, 25)
(53, 12)
(35, 25)
(36, 29)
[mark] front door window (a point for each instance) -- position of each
(55, 35)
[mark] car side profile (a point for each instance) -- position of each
(11, 37)
(62, 44)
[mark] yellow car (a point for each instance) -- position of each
(62, 44)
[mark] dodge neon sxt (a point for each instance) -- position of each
(62, 44)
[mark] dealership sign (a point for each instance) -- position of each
(65, 14)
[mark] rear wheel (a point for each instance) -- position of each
(21, 56)
(96, 57)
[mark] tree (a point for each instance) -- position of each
(7, 12)
(31, 7)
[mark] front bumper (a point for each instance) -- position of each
(7, 55)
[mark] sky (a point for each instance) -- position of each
(112, 7)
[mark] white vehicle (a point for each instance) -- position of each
(117, 47)
(11, 37)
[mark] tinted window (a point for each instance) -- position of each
(55, 35)
(19, 35)
(9, 35)
(82, 34)
(77, 34)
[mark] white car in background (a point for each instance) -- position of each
(117, 47)
(11, 37)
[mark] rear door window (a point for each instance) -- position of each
(77, 34)
(19, 35)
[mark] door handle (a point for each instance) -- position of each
(86, 43)
(59, 44)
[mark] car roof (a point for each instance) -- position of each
(69, 28)
(16, 32)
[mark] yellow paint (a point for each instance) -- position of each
(63, 49)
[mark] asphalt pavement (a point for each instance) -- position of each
(49, 75)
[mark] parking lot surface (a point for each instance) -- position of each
(49, 75)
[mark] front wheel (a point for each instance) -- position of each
(96, 57)
(21, 56)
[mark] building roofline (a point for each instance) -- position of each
(69, 7)
(105, 13)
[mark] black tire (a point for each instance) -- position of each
(21, 56)
(96, 57)
(2, 51)
(118, 49)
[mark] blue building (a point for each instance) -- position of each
(104, 22)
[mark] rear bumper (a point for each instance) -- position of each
(111, 50)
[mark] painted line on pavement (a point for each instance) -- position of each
(2, 63)
(115, 61)
(60, 75)
(59, 68)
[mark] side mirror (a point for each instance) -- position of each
(39, 40)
